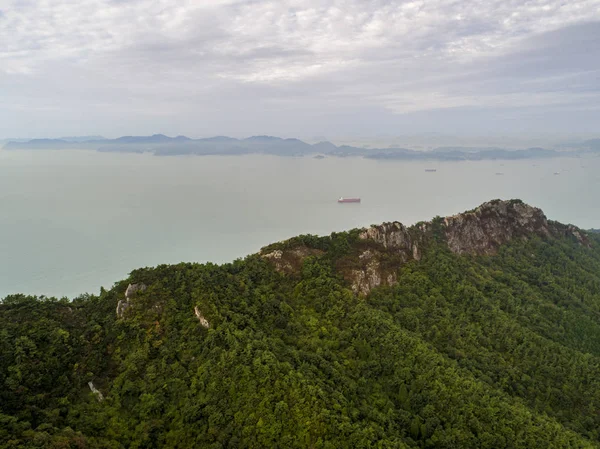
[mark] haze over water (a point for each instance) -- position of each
(72, 221)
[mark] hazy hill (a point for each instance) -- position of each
(83, 138)
(480, 330)
(64, 139)
(161, 145)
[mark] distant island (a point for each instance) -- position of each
(161, 145)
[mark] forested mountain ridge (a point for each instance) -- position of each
(478, 330)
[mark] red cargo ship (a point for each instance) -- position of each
(348, 200)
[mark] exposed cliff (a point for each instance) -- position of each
(123, 304)
(378, 251)
(289, 260)
(492, 224)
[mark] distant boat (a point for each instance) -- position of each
(431, 170)
(499, 174)
(557, 173)
(319, 156)
(348, 200)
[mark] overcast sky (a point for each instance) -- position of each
(298, 68)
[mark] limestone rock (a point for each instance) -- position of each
(573, 232)
(492, 224)
(133, 289)
(290, 260)
(203, 321)
(123, 304)
(390, 235)
(97, 392)
(371, 274)
(479, 232)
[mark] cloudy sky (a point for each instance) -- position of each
(298, 68)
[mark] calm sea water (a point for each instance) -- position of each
(72, 221)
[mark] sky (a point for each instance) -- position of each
(294, 68)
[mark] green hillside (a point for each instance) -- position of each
(480, 330)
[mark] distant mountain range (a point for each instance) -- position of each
(66, 139)
(161, 145)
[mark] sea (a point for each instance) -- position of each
(72, 221)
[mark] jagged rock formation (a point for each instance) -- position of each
(389, 239)
(203, 321)
(559, 230)
(393, 236)
(480, 231)
(492, 224)
(123, 304)
(370, 274)
(97, 392)
(290, 260)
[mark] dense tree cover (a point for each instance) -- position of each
(474, 352)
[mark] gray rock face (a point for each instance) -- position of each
(97, 392)
(573, 232)
(203, 321)
(371, 274)
(277, 258)
(492, 224)
(122, 306)
(290, 260)
(478, 232)
(392, 236)
(132, 290)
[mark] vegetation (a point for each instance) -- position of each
(465, 351)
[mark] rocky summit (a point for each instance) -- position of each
(480, 231)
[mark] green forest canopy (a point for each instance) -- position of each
(464, 352)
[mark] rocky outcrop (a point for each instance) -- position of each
(479, 232)
(492, 224)
(572, 232)
(371, 273)
(123, 304)
(393, 236)
(386, 239)
(578, 235)
(290, 260)
(203, 321)
(96, 392)
(382, 249)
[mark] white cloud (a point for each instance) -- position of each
(403, 56)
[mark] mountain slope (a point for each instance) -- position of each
(478, 330)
